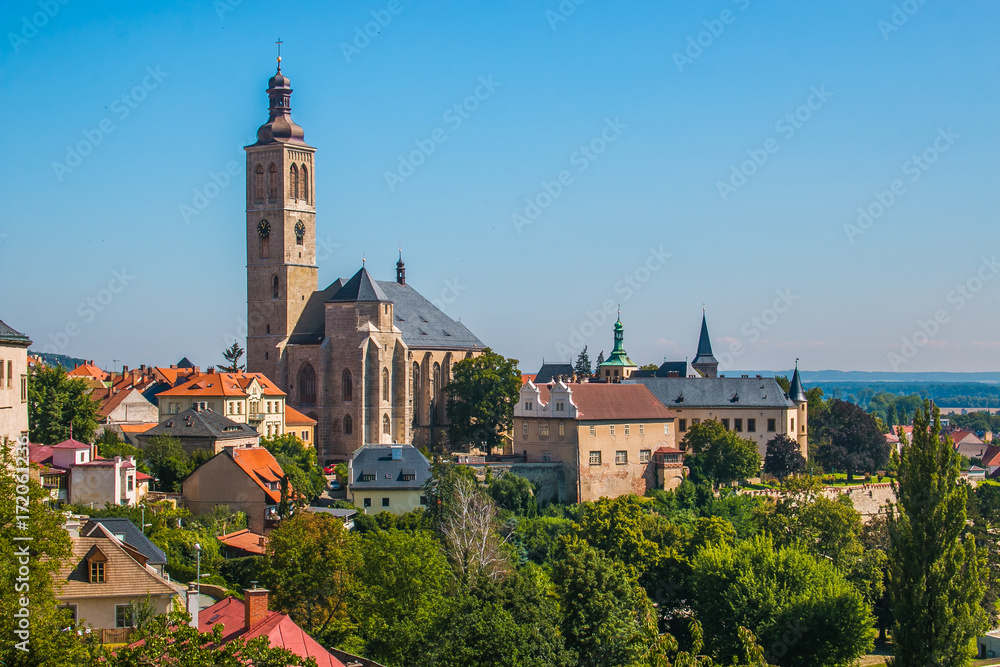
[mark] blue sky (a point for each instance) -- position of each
(731, 145)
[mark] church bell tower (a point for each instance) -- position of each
(281, 232)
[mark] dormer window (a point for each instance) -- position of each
(367, 476)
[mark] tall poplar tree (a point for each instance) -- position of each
(936, 574)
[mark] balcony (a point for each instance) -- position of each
(256, 417)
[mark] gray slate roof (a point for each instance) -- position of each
(309, 330)
(423, 324)
(717, 392)
(205, 423)
(377, 459)
(548, 372)
(10, 335)
(133, 537)
(361, 287)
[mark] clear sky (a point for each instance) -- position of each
(661, 155)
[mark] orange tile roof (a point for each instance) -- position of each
(262, 468)
(279, 628)
(244, 540)
(136, 428)
(223, 384)
(88, 370)
(611, 401)
(526, 378)
(295, 418)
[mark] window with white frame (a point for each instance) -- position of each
(621, 457)
(595, 458)
(612, 430)
(642, 429)
(644, 455)
(627, 429)
(593, 431)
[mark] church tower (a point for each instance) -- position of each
(705, 362)
(281, 233)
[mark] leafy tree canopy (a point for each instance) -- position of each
(481, 399)
(55, 402)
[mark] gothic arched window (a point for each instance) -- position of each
(385, 385)
(274, 287)
(272, 183)
(347, 386)
(348, 425)
(415, 393)
(305, 183)
(306, 383)
(385, 424)
(293, 181)
(258, 189)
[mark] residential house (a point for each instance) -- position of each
(246, 480)
(125, 403)
(242, 543)
(250, 618)
(13, 384)
(87, 478)
(387, 478)
(345, 516)
(968, 444)
(127, 532)
(300, 425)
(89, 370)
(105, 574)
(247, 398)
(203, 429)
(602, 435)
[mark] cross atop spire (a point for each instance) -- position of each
(279, 43)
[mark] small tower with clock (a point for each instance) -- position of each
(281, 232)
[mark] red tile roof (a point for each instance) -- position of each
(88, 370)
(136, 428)
(612, 401)
(71, 444)
(277, 627)
(295, 418)
(262, 468)
(245, 540)
(223, 384)
(992, 456)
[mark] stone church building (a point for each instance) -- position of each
(367, 359)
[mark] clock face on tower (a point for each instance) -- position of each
(264, 228)
(300, 228)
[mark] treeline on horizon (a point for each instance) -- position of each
(876, 396)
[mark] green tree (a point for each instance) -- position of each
(232, 355)
(783, 457)
(720, 455)
(481, 399)
(855, 442)
(607, 618)
(615, 526)
(802, 610)
(399, 594)
(513, 493)
(55, 403)
(507, 622)
(600, 360)
(936, 577)
(582, 367)
(110, 445)
(167, 462)
(314, 560)
(33, 545)
(649, 367)
(299, 464)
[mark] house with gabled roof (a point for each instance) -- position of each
(246, 480)
(103, 575)
(387, 478)
(250, 618)
(249, 398)
(127, 532)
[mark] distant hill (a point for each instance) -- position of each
(815, 377)
(51, 359)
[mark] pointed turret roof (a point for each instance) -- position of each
(361, 287)
(618, 356)
(704, 343)
(795, 390)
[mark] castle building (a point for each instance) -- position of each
(618, 366)
(367, 359)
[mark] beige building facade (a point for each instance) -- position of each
(368, 360)
(245, 398)
(13, 384)
(603, 434)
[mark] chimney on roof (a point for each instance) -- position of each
(260, 541)
(192, 604)
(196, 370)
(173, 365)
(254, 606)
(124, 370)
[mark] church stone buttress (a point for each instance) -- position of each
(281, 233)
